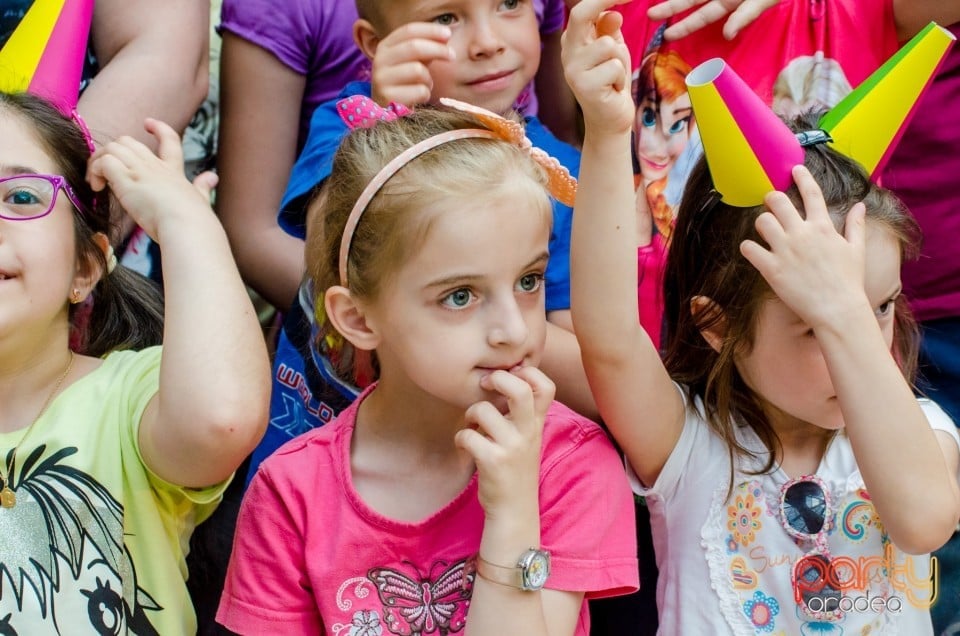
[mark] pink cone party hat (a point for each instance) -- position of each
(868, 122)
(44, 56)
(749, 150)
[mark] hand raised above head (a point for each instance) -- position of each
(811, 267)
(151, 187)
(596, 63)
(741, 12)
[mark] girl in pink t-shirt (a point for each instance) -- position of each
(454, 490)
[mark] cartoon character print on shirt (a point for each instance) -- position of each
(407, 602)
(64, 568)
(750, 558)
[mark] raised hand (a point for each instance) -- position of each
(741, 12)
(506, 447)
(400, 72)
(596, 63)
(811, 267)
(151, 187)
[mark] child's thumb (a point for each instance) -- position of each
(205, 182)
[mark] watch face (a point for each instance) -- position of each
(537, 570)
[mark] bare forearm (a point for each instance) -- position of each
(561, 362)
(211, 332)
(603, 313)
(260, 101)
(272, 263)
(153, 63)
(897, 452)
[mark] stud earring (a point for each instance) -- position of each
(75, 296)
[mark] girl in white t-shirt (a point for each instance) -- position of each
(796, 485)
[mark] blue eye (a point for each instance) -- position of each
(458, 298)
(678, 126)
(530, 282)
(648, 118)
(511, 4)
(23, 197)
(446, 19)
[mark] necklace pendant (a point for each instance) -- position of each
(7, 498)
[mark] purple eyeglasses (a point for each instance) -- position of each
(31, 196)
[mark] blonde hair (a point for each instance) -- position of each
(810, 82)
(393, 225)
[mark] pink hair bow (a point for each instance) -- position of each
(358, 111)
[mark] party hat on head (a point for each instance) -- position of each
(868, 122)
(749, 150)
(44, 56)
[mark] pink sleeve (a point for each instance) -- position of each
(267, 590)
(651, 259)
(587, 518)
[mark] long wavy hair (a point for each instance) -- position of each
(127, 308)
(705, 260)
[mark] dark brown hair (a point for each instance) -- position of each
(127, 309)
(705, 260)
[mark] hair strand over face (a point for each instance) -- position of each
(705, 261)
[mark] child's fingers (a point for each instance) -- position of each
(544, 390)
(205, 182)
(669, 8)
(781, 208)
(474, 443)
(609, 23)
(772, 230)
(122, 149)
(854, 229)
(484, 419)
(517, 390)
(422, 41)
(743, 15)
(762, 259)
(409, 83)
(707, 14)
(811, 194)
(583, 19)
(106, 169)
(169, 148)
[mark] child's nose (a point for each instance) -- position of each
(508, 326)
(485, 40)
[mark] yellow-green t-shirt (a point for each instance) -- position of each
(96, 543)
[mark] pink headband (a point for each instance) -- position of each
(561, 184)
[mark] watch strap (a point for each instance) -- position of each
(514, 576)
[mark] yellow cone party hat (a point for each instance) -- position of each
(44, 56)
(749, 150)
(868, 122)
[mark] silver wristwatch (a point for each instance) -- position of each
(529, 574)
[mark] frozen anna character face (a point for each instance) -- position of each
(664, 115)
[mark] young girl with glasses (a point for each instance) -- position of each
(111, 450)
(454, 491)
(795, 483)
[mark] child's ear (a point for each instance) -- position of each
(365, 35)
(711, 321)
(348, 317)
(89, 270)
